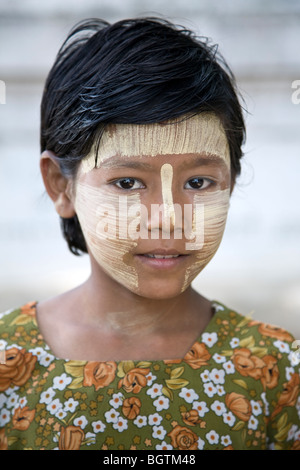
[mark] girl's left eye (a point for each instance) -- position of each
(128, 183)
(198, 183)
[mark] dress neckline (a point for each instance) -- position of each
(217, 307)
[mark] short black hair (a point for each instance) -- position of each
(135, 71)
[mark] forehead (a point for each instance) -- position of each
(201, 134)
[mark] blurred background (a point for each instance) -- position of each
(257, 268)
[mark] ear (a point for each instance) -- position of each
(57, 186)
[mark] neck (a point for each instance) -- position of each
(129, 314)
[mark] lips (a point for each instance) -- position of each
(162, 259)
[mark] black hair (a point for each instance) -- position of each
(135, 71)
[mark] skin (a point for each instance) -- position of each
(156, 313)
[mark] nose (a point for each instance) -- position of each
(162, 215)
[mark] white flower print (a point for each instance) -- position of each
(218, 407)
(289, 371)
(205, 376)
(234, 343)
(292, 432)
(229, 367)
(218, 358)
(61, 414)
(121, 424)
(98, 426)
(220, 390)
(201, 407)
(256, 408)
(71, 405)
(210, 389)
(252, 423)
(4, 417)
(212, 437)
(217, 376)
(266, 404)
(12, 400)
(159, 432)
(163, 446)
(209, 339)
(81, 421)
(116, 401)
(154, 419)
(112, 416)
(200, 444)
(155, 390)
(46, 359)
(46, 397)
(189, 395)
(90, 438)
(3, 399)
(140, 421)
(54, 406)
(283, 347)
(161, 403)
(22, 402)
(61, 382)
(150, 379)
(294, 358)
(229, 418)
(226, 441)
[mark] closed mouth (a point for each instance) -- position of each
(150, 255)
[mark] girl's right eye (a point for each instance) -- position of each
(128, 183)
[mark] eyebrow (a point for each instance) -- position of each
(199, 160)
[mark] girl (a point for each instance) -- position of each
(141, 135)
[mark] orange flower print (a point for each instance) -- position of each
(17, 369)
(3, 440)
(131, 407)
(270, 372)
(247, 364)
(134, 380)
(239, 405)
(71, 438)
(99, 374)
(29, 309)
(289, 395)
(273, 331)
(197, 356)
(183, 438)
(22, 418)
(191, 418)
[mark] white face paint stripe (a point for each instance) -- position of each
(166, 175)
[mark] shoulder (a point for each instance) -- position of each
(244, 326)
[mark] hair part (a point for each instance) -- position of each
(135, 71)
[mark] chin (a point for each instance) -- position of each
(160, 290)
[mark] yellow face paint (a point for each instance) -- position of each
(166, 174)
(111, 230)
(104, 219)
(202, 133)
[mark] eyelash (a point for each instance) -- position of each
(141, 186)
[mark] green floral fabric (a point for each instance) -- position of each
(236, 389)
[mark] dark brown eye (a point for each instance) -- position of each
(197, 183)
(128, 183)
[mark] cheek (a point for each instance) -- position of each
(209, 220)
(104, 222)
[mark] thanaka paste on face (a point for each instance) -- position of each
(201, 134)
(166, 176)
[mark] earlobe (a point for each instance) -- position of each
(57, 186)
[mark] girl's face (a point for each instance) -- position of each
(154, 208)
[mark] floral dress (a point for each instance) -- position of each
(236, 389)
